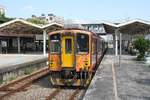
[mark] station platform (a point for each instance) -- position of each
(14, 65)
(8, 60)
(101, 87)
(132, 79)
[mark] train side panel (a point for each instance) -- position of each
(54, 62)
(83, 54)
(54, 52)
(82, 62)
(93, 53)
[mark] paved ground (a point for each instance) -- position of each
(14, 59)
(133, 80)
(101, 87)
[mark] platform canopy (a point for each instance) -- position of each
(52, 26)
(135, 26)
(109, 27)
(127, 30)
(20, 27)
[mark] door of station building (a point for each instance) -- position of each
(67, 55)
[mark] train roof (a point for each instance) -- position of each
(73, 29)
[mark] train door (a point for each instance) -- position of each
(67, 52)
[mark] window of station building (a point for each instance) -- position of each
(55, 43)
(82, 42)
(68, 46)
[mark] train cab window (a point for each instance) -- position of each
(68, 46)
(82, 42)
(55, 43)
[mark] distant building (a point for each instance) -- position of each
(50, 18)
(2, 10)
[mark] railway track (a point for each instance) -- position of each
(60, 90)
(22, 83)
(72, 97)
(53, 94)
(56, 93)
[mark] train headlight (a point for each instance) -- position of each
(85, 63)
(51, 63)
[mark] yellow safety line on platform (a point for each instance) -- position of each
(114, 82)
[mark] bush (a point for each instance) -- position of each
(140, 57)
(142, 45)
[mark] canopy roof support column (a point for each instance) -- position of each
(44, 42)
(116, 42)
(18, 42)
(120, 51)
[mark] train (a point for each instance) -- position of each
(73, 56)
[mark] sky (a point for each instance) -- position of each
(109, 10)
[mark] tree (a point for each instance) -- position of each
(4, 19)
(37, 21)
(142, 45)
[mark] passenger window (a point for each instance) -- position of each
(55, 46)
(55, 43)
(82, 42)
(68, 46)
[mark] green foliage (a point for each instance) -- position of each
(37, 21)
(142, 45)
(4, 19)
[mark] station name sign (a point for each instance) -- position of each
(96, 28)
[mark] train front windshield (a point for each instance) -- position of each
(55, 43)
(82, 43)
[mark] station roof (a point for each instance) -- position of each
(52, 26)
(109, 27)
(20, 27)
(135, 26)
